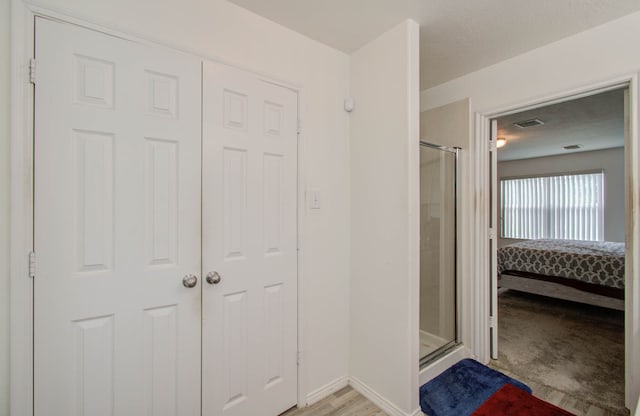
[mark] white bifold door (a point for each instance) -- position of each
(117, 227)
(249, 244)
(128, 209)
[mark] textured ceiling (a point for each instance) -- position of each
(594, 122)
(457, 36)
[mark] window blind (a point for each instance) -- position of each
(556, 207)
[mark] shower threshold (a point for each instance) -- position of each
(435, 353)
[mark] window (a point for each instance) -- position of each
(558, 207)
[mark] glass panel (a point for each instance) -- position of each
(437, 251)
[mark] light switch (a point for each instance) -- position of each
(314, 202)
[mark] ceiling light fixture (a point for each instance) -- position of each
(500, 142)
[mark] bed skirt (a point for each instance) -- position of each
(556, 290)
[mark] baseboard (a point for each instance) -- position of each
(384, 404)
(327, 389)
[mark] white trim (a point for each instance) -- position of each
(632, 276)
(466, 284)
(302, 310)
(21, 216)
(558, 97)
(388, 407)
(481, 286)
(493, 240)
(632, 289)
(326, 390)
(413, 219)
(344, 381)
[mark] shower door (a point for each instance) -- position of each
(438, 207)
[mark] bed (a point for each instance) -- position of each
(582, 271)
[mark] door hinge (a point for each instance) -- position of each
(492, 322)
(299, 126)
(492, 234)
(32, 71)
(299, 358)
(492, 145)
(32, 264)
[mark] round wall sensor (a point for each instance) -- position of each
(349, 104)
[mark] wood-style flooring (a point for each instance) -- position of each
(348, 402)
(344, 402)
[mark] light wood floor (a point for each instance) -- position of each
(348, 402)
(345, 402)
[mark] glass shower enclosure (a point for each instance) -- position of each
(438, 241)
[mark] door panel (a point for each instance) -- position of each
(493, 239)
(249, 238)
(117, 226)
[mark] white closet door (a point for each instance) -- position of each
(249, 240)
(117, 226)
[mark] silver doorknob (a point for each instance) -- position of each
(213, 278)
(189, 280)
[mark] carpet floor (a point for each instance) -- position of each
(574, 348)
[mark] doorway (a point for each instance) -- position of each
(536, 215)
(165, 202)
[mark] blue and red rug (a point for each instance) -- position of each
(469, 388)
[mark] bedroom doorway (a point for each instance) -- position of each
(557, 250)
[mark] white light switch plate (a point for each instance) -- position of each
(314, 199)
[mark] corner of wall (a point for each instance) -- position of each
(384, 130)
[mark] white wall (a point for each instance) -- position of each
(610, 160)
(5, 66)
(583, 59)
(385, 216)
(588, 58)
(219, 29)
(447, 125)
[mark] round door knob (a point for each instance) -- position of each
(213, 278)
(189, 280)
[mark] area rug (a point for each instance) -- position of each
(573, 348)
(512, 401)
(462, 388)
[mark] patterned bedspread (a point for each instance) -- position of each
(600, 263)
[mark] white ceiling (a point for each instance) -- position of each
(594, 122)
(457, 36)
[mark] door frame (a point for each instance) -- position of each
(481, 282)
(21, 394)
